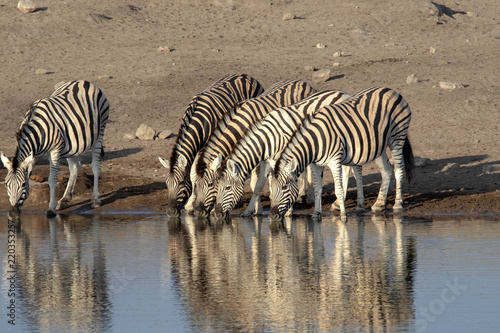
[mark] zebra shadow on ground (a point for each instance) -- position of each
(86, 158)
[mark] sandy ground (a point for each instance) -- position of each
(151, 57)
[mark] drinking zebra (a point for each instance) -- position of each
(65, 125)
(265, 139)
(199, 121)
(229, 132)
(354, 132)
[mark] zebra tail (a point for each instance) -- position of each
(409, 160)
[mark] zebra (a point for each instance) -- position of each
(65, 125)
(199, 121)
(262, 141)
(230, 130)
(354, 132)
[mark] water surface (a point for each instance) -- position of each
(130, 273)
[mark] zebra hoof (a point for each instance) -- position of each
(397, 209)
(378, 207)
(335, 207)
(62, 204)
(50, 214)
(95, 203)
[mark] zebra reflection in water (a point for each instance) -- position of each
(62, 283)
(299, 275)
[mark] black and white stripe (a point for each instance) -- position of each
(265, 139)
(65, 125)
(354, 132)
(199, 121)
(229, 132)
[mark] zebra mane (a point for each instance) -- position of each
(27, 119)
(213, 143)
(186, 119)
(284, 157)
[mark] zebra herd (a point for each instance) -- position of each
(231, 131)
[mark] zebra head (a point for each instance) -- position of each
(178, 185)
(229, 189)
(283, 189)
(17, 182)
(206, 188)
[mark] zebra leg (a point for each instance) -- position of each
(189, 206)
(317, 172)
(74, 169)
(96, 169)
(357, 170)
(346, 170)
(336, 169)
(262, 171)
(306, 186)
(54, 168)
(385, 170)
(397, 156)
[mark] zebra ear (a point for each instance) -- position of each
(28, 163)
(291, 166)
(6, 162)
(232, 167)
(216, 163)
(165, 163)
(182, 160)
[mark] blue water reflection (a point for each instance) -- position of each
(129, 273)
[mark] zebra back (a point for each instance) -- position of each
(268, 136)
(357, 130)
(207, 108)
(71, 120)
(235, 123)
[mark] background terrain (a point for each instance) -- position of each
(151, 57)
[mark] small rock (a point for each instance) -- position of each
(104, 77)
(310, 68)
(491, 168)
(338, 54)
(165, 134)
(320, 46)
(26, 6)
(411, 79)
(41, 71)
(432, 50)
(37, 178)
(145, 132)
(336, 64)
(421, 161)
(288, 16)
(471, 14)
(321, 76)
(129, 136)
(451, 85)
(165, 49)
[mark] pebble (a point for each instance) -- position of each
(165, 134)
(450, 85)
(26, 6)
(338, 54)
(336, 64)
(421, 161)
(412, 78)
(321, 76)
(288, 16)
(310, 68)
(320, 46)
(165, 49)
(41, 71)
(432, 50)
(129, 136)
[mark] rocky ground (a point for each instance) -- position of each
(151, 57)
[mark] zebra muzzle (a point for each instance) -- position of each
(14, 212)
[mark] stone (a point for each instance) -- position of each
(145, 132)
(26, 6)
(336, 64)
(322, 75)
(412, 78)
(451, 85)
(165, 49)
(491, 168)
(41, 71)
(338, 54)
(432, 50)
(421, 161)
(165, 134)
(310, 68)
(320, 46)
(129, 136)
(288, 16)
